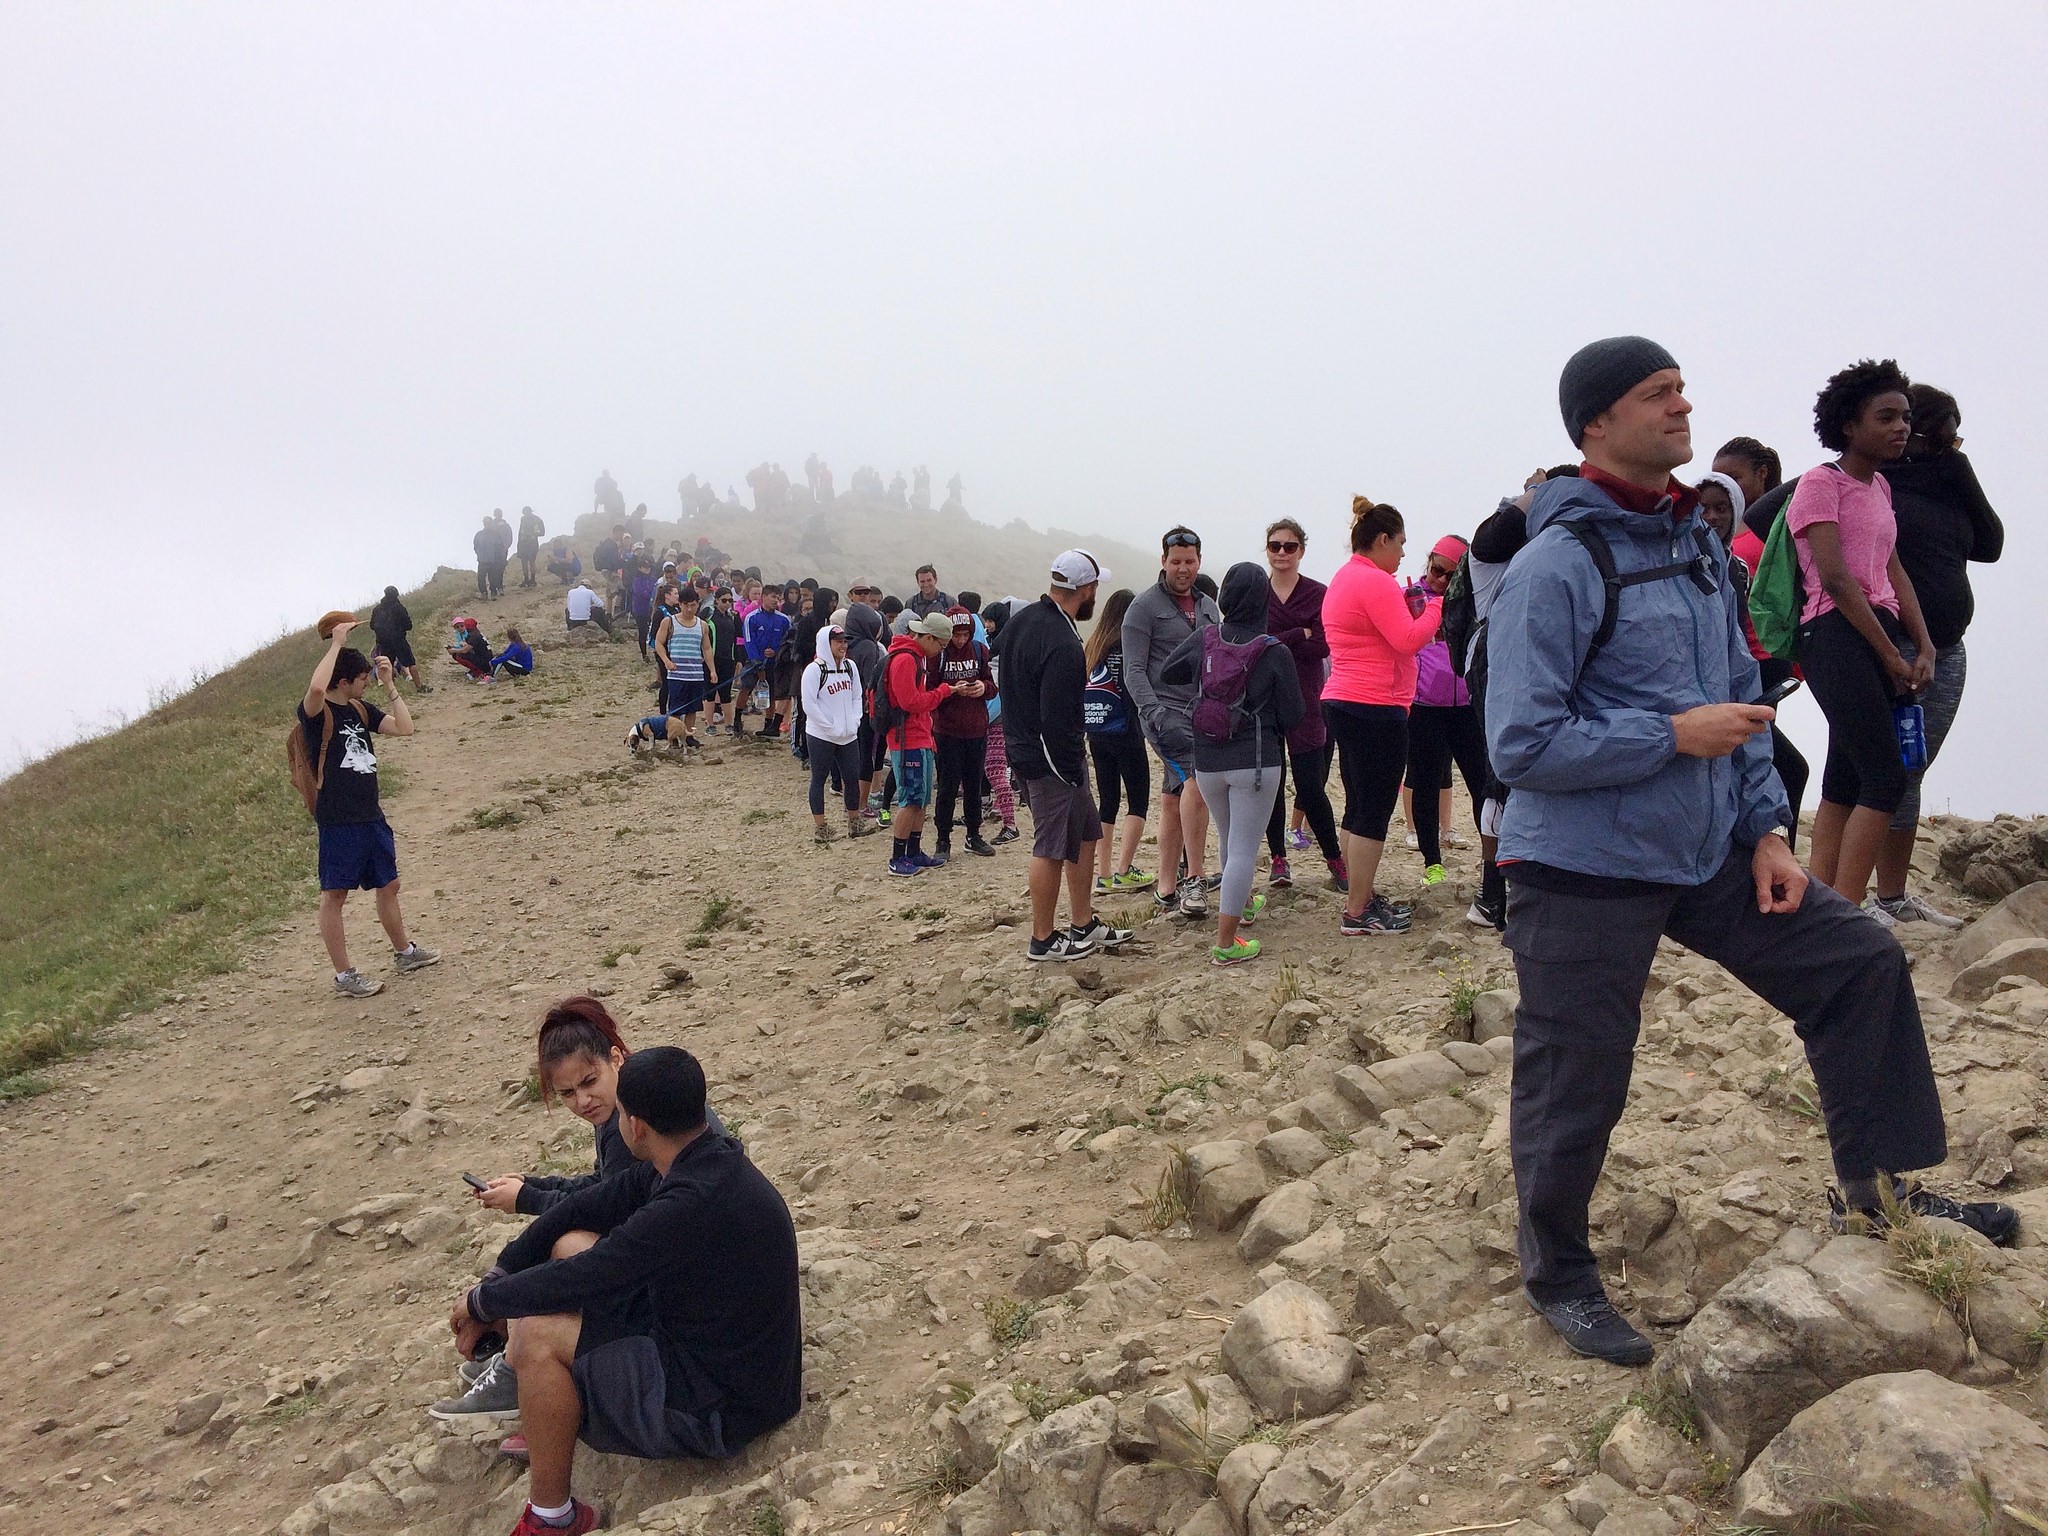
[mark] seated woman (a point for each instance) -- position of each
(517, 657)
(471, 651)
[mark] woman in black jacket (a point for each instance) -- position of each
(390, 623)
(1239, 774)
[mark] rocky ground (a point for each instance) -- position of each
(1132, 1246)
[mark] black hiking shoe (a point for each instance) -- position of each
(1590, 1326)
(1996, 1223)
(974, 844)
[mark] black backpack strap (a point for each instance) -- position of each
(1612, 581)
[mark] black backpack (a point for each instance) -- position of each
(1460, 613)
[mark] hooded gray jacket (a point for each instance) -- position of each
(1586, 743)
(1154, 627)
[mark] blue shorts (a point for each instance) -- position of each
(686, 698)
(358, 856)
(913, 767)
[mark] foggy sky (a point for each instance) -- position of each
(290, 297)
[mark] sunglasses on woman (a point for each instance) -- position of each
(1283, 546)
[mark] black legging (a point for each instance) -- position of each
(1123, 776)
(1371, 741)
(1793, 769)
(1311, 798)
(959, 764)
(1438, 735)
(1855, 693)
(830, 759)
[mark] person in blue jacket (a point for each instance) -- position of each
(516, 658)
(1644, 806)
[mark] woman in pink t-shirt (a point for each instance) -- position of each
(1374, 632)
(1862, 642)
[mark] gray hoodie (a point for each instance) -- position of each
(1154, 628)
(1585, 741)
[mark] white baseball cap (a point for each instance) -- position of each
(1076, 568)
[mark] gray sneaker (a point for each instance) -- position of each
(353, 983)
(472, 1371)
(493, 1395)
(414, 958)
(1194, 899)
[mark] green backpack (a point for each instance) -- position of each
(1776, 594)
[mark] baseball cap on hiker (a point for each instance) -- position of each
(937, 625)
(1600, 373)
(1076, 568)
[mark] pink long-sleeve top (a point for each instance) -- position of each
(1373, 637)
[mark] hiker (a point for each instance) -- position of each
(516, 658)
(1247, 699)
(996, 764)
(1158, 620)
(578, 1060)
(1043, 723)
(725, 635)
(1944, 523)
(609, 560)
(564, 564)
(683, 642)
(1863, 643)
(1642, 807)
(929, 598)
(471, 651)
(392, 626)
(907, 700)
(960, 728)
(582, 606)
(764, 633)
(1375, 631)
(608, 498)
(485, 545)
(640, 588)
(1294, 617)
(1442, 729)
(1123, 769)
(866, 649)
(336, 768)
(832, 700)
(801, 646)
(531, 529)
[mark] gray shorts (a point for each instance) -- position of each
(1064, 818)
(1175, 744)
(623, 1382)
(1941, 701)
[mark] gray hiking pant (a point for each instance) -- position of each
(1239, 812)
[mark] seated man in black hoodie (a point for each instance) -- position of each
(656, 1312)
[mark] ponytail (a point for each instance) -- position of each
(576, 1026)
(1370, 521)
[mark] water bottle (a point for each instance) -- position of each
(1909, 721)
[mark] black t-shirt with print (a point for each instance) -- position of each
(348, 787)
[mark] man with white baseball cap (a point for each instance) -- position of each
(1048, 748)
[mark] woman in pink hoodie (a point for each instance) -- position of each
(1375, 631)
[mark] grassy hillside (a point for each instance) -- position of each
(140, 859)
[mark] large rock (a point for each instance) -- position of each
(2022, 915)
(1238, 1478)
(1909, 1453)
(1991, 860)
(1051, 1477)
(1401, 1080)
(1225, 1181)
(1493, 1015)
(1136, 1499)
(1298, 1493)
(1199, 1421)
(1283, 1218)
(1639, 1452)
(1056, 1270)
(1806, 1318)
(2018, 957)
(983, 1425)
(1294, 1153)
(1288, 1350)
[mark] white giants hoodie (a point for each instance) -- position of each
(831, 695)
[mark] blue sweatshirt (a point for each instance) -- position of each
(1598, 785)
(519, 653)
(765, 632)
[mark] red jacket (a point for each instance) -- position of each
(905, 672)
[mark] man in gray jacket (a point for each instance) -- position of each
(1155, 624)
(1644, 806)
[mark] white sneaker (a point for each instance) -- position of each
(1412, 840)
(1917, 909)
(1879, 914)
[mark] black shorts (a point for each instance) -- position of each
(624, 1385)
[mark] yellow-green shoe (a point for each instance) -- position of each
(1237, 954)
(1434, 875)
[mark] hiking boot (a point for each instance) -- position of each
(1281, 875)
(1340, 874)
(942, 850)
(1237, 954)
(975, 845)
(1999, 1224)
(1252, 908)
(1060, 946)
(413, 958)
(860, 826)
(353, 983)
(493, 1395)
(1007, 835)
(1298, 838)
(1099, 935)
(906, 867)
(824, 834)
(1433, 874)
(583, 1518)
(1590, 1326)
(1194, 899)
(1914, 909)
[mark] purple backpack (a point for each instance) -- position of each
(1226, 672)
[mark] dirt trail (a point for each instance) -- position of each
(183, 1220)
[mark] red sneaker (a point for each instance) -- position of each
(513, 1447)
(582, 1518)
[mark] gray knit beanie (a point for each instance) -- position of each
(1600, 373)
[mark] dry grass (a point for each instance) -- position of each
(136, 862)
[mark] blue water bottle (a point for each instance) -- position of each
(1910, 723)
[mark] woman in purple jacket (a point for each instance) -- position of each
(1294, 617)
(1442, 727)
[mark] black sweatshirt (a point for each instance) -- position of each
(1045, 672)
(1944, 523)
(541, 1191)
(712, 1245)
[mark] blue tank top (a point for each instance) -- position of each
(686, 652)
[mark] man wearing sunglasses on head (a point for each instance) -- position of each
(1158, 620)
